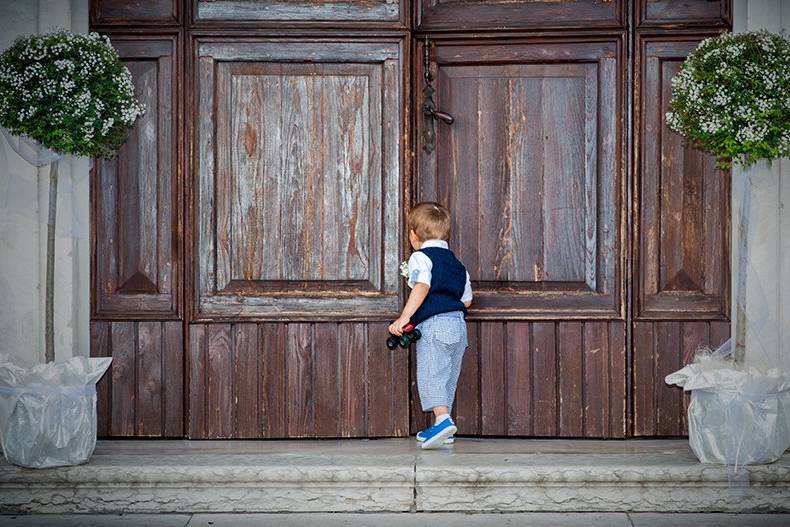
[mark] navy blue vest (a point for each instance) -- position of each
(448, 280)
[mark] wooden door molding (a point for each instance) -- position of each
(124, 12)
(136, 196)
(539, 227)
(267, 248)
(276, 13)
(682, 201)
(689, 13)
(470, 15)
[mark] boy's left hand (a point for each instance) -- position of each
(396, 328)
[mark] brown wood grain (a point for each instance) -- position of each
(518, 394)
(683, 251)
(300, 388)
(650, 13)
(329, 365)
(149, 357)
(467, 395)
(273, 389)
(124, 379)
(288, 13)
(136, 195)
(571, 376)
(220, 384)
(469, 15)
(246, 380)
(100, 347)
(539, 203)
(123, 12)
(493, 392)
(544, 377)
(300, 218)
(661, 347)
(286, 311)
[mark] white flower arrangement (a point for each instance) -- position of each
(731, 97)
(404, 269)
(68, 91)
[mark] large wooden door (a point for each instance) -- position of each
(246, 239)
(531, 169)
(297, 215)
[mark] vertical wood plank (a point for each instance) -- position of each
(545, 379)
(381, 414)
(100, 347)
(492, 378)
(617, 379)
(274, 375)
(564, 154)
(328, 381)
(220, 386)
(197, 381)
(644, 378)
(494, 180)
(519, 375)
(596, 379)
(299, 382)
(668, 398)
(124, 379)
(353, 380)
(246, 380)
(525, 156)
(571, 378)
(149, 383)
(467, 395)
(173, 382)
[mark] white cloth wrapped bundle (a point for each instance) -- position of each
(48, 412)
(737, 415)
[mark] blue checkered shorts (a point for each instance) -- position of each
(440, 352)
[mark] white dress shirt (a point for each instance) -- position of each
(420, 268)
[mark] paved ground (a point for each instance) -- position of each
(400, 520)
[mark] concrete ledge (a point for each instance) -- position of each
(216, 482)
(394, 475)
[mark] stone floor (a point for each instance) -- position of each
(475, 475)
(533, 519)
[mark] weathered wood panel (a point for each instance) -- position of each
(275, 380)
(685, 13)
(136, 246)
(299, 200)
(125, 12)
(142, 393)
(540, 379)
(297, 12)
(683, 203)
(530, 171)
(659, 348)
(465, 15)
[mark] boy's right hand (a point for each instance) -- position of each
(396, 328)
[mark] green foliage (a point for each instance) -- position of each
(731, 97)
(68, 91)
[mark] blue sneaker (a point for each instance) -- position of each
(435, 435)
(421, 437)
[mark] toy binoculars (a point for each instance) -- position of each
(410, 334)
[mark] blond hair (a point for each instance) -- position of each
(429, 221)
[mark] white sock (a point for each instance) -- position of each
(441, 418)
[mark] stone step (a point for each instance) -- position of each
(174, 476)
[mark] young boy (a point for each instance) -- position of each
(441, 292)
